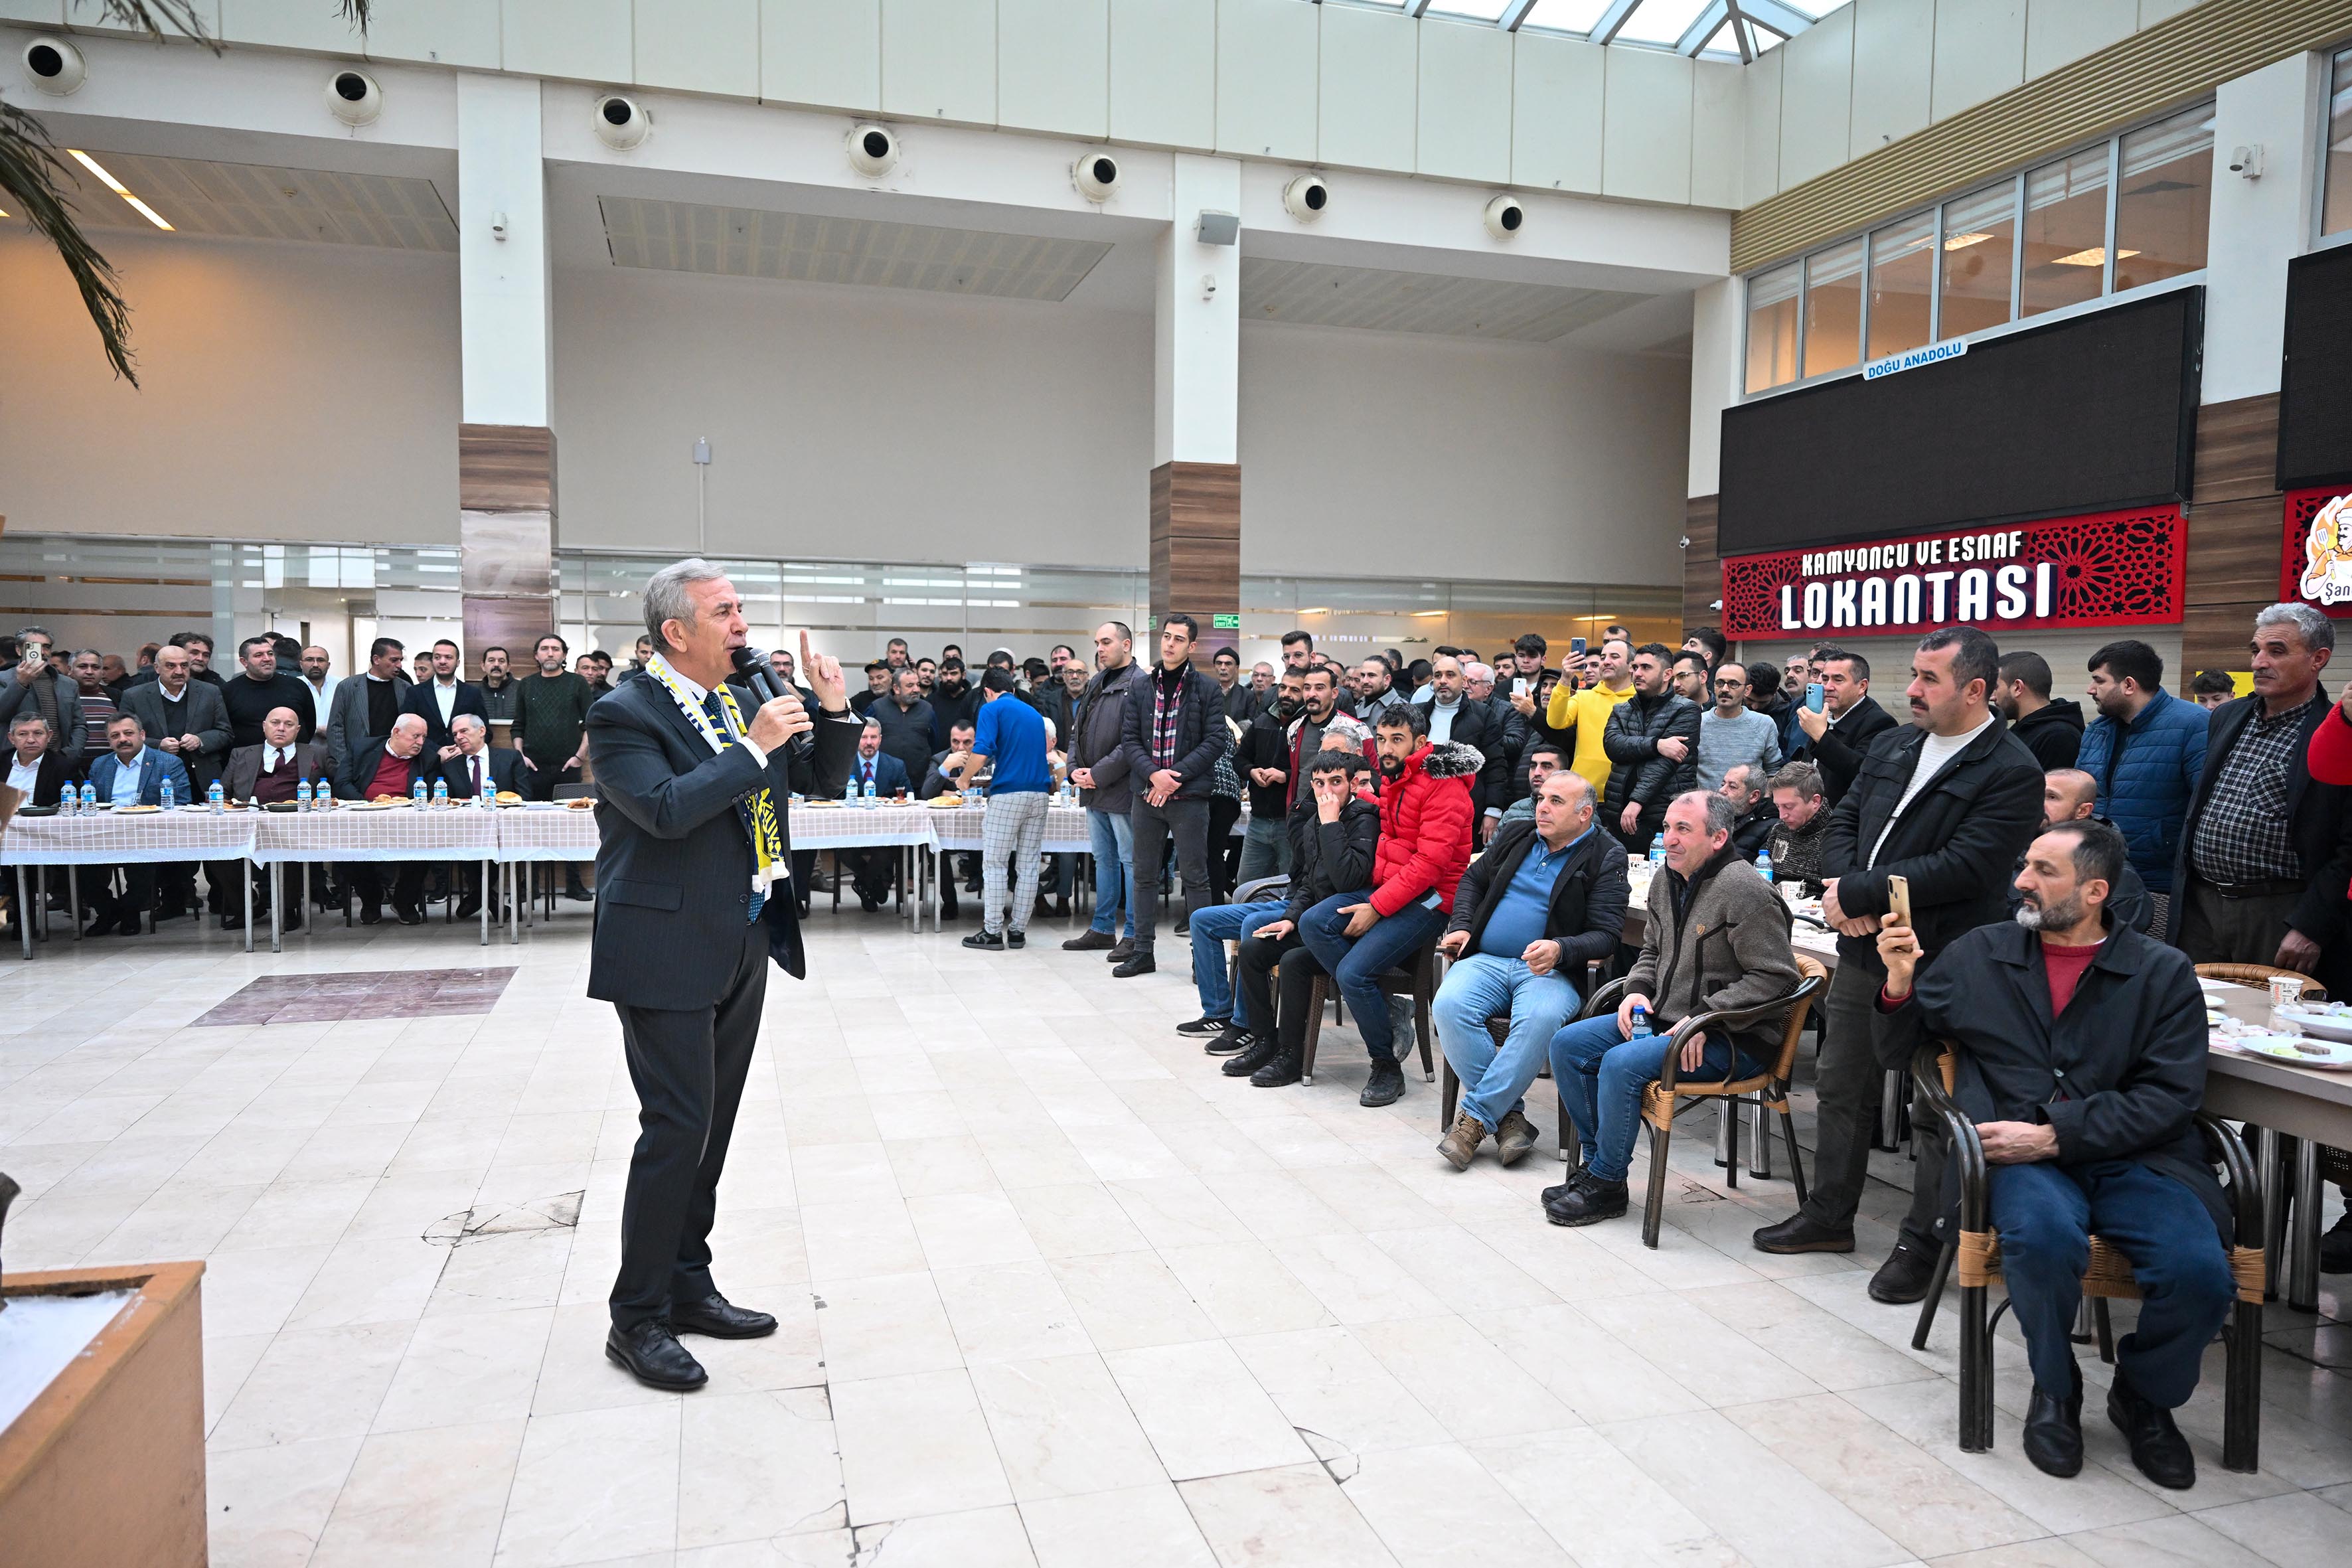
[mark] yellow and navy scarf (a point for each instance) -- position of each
(758, 812)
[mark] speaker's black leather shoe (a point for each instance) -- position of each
(721, 1319)
(654, 1357)
(1904, 1275)
(1799, 1233)
(2054, 1430)
(2157, 1446)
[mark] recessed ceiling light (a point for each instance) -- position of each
(1962, 241)
(119, 188)
(2094, 256)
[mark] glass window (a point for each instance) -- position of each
(2163, 199)
(1980, 239)
(1772, 326)
(1833, 308)
(2065, 232)
(2337, 215)
(1902, 273)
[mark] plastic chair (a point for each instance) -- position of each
(1417, 980)
(2107, 1276)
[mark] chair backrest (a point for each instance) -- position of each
(1259, 887)
(572, 792)
(2258, 976)
(1813, 979)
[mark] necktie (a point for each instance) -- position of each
(477, 774)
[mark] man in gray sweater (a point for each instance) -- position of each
(1731, 733)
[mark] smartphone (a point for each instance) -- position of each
(1576, 644)
(1813, 695)
(1898, 900)
(1518, 686)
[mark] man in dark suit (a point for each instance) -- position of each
(365, 704)
(33, 768)
(389, 765)
(187, 719)
(471, 766)
(440, 700)
(693, 901)
(270, 773)
(129, 772)
(1837, 738)
(873, 869)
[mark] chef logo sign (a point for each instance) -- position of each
(2317, 565)
(2116, 568)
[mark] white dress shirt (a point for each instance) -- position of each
(322, 697)
(272, 755)
(445, 692)
(24, 776)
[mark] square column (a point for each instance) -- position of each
(1196, 477)
(506, 448)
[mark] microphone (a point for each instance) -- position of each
(752, 665)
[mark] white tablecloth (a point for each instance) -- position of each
(105, 838)
(562, 834)
(1065, 828)
(398, 833)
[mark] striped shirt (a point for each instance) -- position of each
(98, 710)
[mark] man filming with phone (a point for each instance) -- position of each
(1941, 807)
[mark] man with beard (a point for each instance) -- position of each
(1262, 757)
(1752, 832)
(1376, 691)
(1652, 747)
(1174, 735)
(2147, 750)
(498, 686)
(2079, 1054)
(1946, 802)
(953, 701)
(2070, 794)
(1804, 813)
(2050, 728)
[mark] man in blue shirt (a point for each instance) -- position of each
(1544, 898)
(1012, 736)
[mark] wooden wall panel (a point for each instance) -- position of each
(2234, 534)
(505, 537)
(1702, 568)
(1196, 540)
(505, 468)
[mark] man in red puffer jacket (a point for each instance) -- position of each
(1426, 823)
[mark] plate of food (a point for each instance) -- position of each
(508, 798)
(581, 803)
(380, 804)
(947, 802)
(2296, 1050)
(822, 805)
(2327, 1020)
(136, 810)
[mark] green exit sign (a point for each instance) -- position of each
(1225, 623)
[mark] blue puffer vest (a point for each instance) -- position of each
(2146, 777)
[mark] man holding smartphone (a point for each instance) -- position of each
(1947, 803)
(1839, 724)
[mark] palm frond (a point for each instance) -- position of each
(30, 176)
(152, 17)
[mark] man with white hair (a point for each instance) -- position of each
(388, 766)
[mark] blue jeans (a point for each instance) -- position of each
(1602, 1076)
(1113, 842)
(1356, 964)
(1212, 929)
(2045, 1214)
(1495, 1083)
(1265, 850)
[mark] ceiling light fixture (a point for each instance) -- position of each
(2094, 256)
(120, 189)
(1962, 241)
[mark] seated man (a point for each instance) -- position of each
(33, 767)
(1361, 934)
(1751, 831)
(1335, 832)
(1225, 1014)
(2070, 794)
(373, 769)
(1804, 812)
(937, 779)
(872, 868)
(270, 772)
(1716, 940)
(129, 773)
(475, 768)
(1544, 759)
(2081, 1058)
(1543, 900)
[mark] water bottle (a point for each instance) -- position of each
(1764, 866)
(171, 796)
(214, 799)
(486, 797)
(1641, 1022)
(440, 793)
(89, 797)
(1657, 851)
(301, 794)
(868, 801)
(416, 793)
(849, 795)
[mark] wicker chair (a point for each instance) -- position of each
(1667, 1097)
(2258, 976)
(1975, 1248)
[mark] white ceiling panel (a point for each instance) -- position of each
(1318, 294)
(255, 201)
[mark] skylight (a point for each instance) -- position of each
(1730, 29)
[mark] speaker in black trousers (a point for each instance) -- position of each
(689, 1068)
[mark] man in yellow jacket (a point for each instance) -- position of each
(1586, 713)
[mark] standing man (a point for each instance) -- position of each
(1689, 677)
(953, 701)
(1376, 690)
(1175, 731)
(905, 720)
(440, 700)
(1098, 767)
(93, 704)
(1579, 719)
(1730, 733)
(258, 686)
(313, 666)
(1011, 735)
(1452, 714)
(696, 901)
(1837, 737)
(1947, 802)
(2147, 750)
(185, 718)
(2266, 849)
(551, 731)
(365, 704)
(1262, 758)
(2050, 728)
(1653, 746)
(498, 686)
(56, 698)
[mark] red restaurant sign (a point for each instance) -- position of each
(2109, 568)
(2316, 566)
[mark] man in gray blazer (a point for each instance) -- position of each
(365, 704)
(185, 718)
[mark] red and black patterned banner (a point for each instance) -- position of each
(2315, 566)
(2103, 569)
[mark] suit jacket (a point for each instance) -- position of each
(154, 767)
(21, 698)
(347, 715)
(203, 714)
(243, 770)
(673, 862)
(889, 775)
(506, 771)
(2319, 820)
(359, 765)
(48, 782)
(1839, 753)
(419, 700)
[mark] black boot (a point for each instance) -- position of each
(1587, 1202)
(2157, 1446)
(1385, 1087)
(2054, 1430)
(1137, 962)
(1282, 1069)
(1905, 1275)
(1259, 1050)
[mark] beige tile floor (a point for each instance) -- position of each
(1052, 1290)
